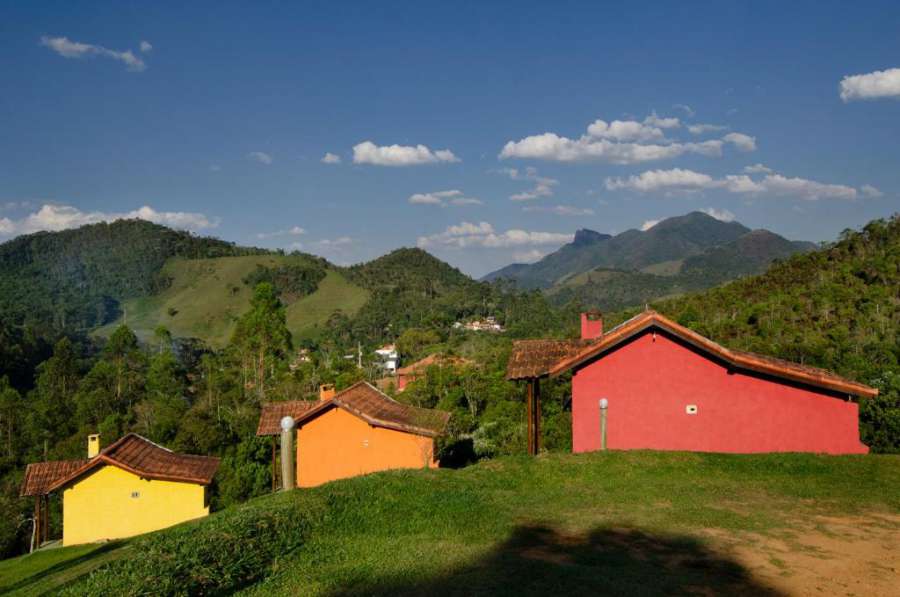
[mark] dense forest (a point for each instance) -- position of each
(836, 308)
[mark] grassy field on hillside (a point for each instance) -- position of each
(615, 523)
(207, 296)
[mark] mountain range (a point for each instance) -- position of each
(677, 255)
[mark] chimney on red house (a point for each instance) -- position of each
(591, 325)
(326, 391)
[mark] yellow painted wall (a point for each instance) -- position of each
(101, 506)
(337, 445)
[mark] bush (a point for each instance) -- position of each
(214, 556)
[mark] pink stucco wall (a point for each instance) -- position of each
(650, 381)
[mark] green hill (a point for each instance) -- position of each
(204, 297)
(603, 523)
(75, 279)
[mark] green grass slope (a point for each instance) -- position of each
(601, 523)
(206, 296)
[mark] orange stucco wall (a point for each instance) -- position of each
(337, 445)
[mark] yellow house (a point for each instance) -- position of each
(133, 486)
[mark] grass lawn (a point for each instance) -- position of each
(616, 523)
(44, 572)
(207, 296)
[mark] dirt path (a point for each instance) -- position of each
(856, 556)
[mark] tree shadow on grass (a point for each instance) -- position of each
(537, 560)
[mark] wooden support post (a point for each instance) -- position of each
(36, 533)
(274, 475)
(533, 415)
(46, 518)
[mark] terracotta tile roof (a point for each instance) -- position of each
(433, 359)
(271, 414)
(738, 359)
(132, 453)
(41, 475)
(535, 358)
(376, 408)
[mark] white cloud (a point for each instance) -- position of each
(702, 129)
(870, 191)
(723, 215)
(261, 157)
(685, 108)
(560, 210)
(741, 141)
(53, 217)
(663, 123)
(677, 179)
(443, 198)
(543, 185)
(757, 169)
(528, 256)
(482, 234)
(399, 155)
(331, 158)
(625, 130)
(73, 49)
(875, 85)
(592, 147)
(146, 46)
(293, 231)
(341, 241)
(648, 224)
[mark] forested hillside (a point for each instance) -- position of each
(836, 308)
(75, 279)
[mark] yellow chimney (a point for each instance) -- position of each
(93, 445)
(326, 391)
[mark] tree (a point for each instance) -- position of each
(261, 336)
(57, 384)
(165, 403)
(11, 413)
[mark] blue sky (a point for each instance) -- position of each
(483, 132)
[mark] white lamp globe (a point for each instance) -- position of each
(287, 423)
(604, 403)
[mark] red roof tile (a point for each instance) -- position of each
(132, 453)
(271, 414)
(738, 359)
(441, 360)
(39, 476)
(535, 358)
(380, 410)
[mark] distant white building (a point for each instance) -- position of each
(488, 324)
(388, 358)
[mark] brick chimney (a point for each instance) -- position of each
(591, 325)
(326, 391)
(93, 445)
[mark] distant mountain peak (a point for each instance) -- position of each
(586, 236)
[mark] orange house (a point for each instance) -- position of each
(356, 431)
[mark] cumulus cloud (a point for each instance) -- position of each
(664, 123)
(757, 169)
(331, 158)
(443, 198)
(648, 224)
(293, 231)
(560, 210)
(771, 184)
(543, 185)
(702, 129)
(875, 85)
(870, 191)
(741, 141)
(341, 241)
(261, 157)
(146, 46)
(482, 234)
(399, 155)
(723, 215)
(619, 142)
(54, 217)
(73, 49)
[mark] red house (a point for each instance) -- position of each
(669, 388)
